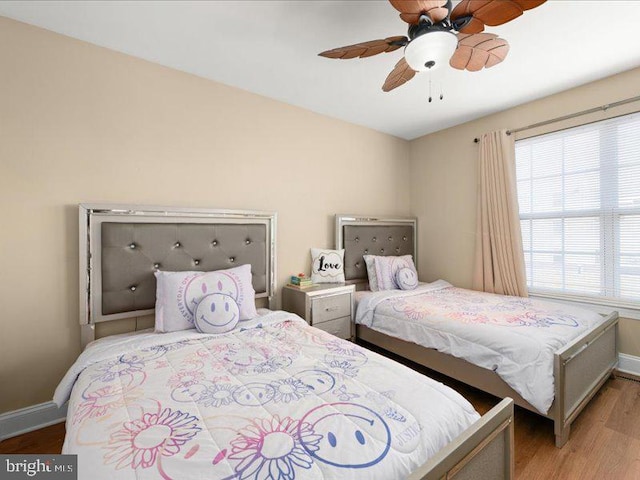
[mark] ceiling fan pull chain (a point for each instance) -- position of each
(430, 98)
(441, 94)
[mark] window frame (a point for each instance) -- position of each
(609, 214)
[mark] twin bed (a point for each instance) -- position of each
(550, 358)
(272, 399)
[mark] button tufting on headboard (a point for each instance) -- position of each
(397, 235)
(131, 252)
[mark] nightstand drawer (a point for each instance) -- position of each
(340, 327)
(330, 308)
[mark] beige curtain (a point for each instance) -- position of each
(499, 266)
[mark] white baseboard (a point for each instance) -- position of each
(629, 364)
(30, 418)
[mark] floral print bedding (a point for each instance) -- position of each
(275, 400)
(514, 336)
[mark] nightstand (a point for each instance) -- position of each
(328, 307)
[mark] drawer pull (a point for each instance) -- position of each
(331, 307)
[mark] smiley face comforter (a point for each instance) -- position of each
(513, 336)
(275, 399)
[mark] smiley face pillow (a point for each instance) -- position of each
(178, 293)
(406, 278)
(216, 313)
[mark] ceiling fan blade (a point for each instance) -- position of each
(478, 51)
(473, 25)
(411, 10)
(400, 75)
(490, 12)
(366, 49)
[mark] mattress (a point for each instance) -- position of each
(513, 336)
(277, 399)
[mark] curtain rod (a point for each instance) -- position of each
(603, 108)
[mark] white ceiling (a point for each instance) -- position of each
(271, 47)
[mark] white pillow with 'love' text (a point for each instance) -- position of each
(327, 266)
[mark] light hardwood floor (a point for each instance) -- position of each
(604, 443)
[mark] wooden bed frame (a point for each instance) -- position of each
(482, 452)
(580, 368)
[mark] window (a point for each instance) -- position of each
(579, 196)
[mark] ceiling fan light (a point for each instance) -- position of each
(434, 48)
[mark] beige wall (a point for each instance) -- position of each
(443, 180)
(79, 123)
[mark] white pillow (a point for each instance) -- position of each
(178, 294)
(406, 278)
(216, 313)
(327, 266)
(387, 267)
(369, 260)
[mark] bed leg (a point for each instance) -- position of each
(563, 436)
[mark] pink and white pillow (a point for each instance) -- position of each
(369, 261)
(386, 269)
(178, 294)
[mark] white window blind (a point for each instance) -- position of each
(579, 196)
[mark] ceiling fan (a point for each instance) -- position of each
(432, 40)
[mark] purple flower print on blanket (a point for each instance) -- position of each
(99, 402)
(273, 449)
(125, 365)
(289, 390)
(217, 395)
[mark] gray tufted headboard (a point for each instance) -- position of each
(361, 235)
(122, 246)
